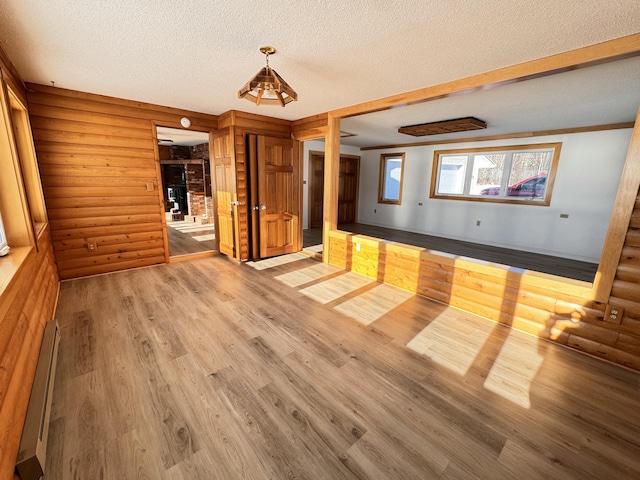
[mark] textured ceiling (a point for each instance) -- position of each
(196, 54)
(597, 95)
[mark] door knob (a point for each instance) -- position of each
(255, 207)
(235, 203)
(263, 206)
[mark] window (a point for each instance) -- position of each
(4, 248)
(28, 164)
(513, 174)
(391, 174)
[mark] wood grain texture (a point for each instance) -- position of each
(624, 218)
(211, 370)
(25, 313)
(536, 303)
(97, 156)
(310, 128)
(244, 124)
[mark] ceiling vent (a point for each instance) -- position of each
(445, 126)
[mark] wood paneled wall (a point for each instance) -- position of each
(25, 307)
(626, 287)
(310, 128)
(28, 296)
(97, 158)
(532, 302)
(242, 125)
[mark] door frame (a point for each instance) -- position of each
(161, 199)
(312, 186)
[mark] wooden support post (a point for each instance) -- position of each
(331, 171)
(620, 218)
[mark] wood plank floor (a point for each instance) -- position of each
(186, 238)
(563, 267)
(212, 370)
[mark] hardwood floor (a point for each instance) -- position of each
(311, 237)
(186, 238)
(212, 370)
(563, 267)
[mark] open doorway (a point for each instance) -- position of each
(186, 186)
(347, 195)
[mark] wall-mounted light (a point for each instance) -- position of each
(267, 87)
(185, 122)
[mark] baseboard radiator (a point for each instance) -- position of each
(31, 459)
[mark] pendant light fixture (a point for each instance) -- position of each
(267, 87)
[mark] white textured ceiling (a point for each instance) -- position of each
(598, 95)
(196, 54)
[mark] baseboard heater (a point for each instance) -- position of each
(31, 459)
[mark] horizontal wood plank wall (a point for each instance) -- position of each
(558, 310)
(245, 124)
(26, 307)
(310, 128)
(98, 167)
(626, 287)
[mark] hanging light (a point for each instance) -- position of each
(267, 87)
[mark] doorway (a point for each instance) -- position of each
(349, 172)
(186, 188)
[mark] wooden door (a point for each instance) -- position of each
(316, 189)
(223, 166)
(278, 196)
(347, 189)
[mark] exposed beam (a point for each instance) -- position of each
(617, 49)
(620, 218)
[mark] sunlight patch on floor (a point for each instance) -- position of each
(276, 261)
(374, 303)
(334, 288)
(453, 340)
(189, 227)
(515, 368)
(204, 238)
(314, 248)
(309, 274)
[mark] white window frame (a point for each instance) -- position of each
(502, 197)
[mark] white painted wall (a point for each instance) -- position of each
(317, 146)
(585, 188)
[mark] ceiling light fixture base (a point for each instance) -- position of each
(267, 50)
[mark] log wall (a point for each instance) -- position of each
(626, 289)
(100, 174)
(28, 294)
(25, 307)
(556, 309)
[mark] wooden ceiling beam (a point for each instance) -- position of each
(625, 47)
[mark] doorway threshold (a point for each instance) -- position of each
(193, 256)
